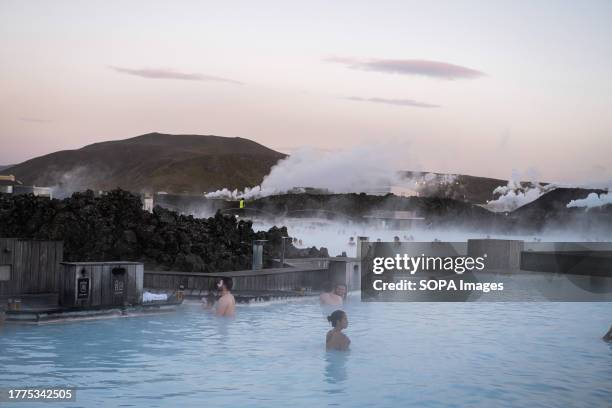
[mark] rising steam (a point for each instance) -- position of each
(592, 200)
(517, 193)
(361, 169)
(373, 170)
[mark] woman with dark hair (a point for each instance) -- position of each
(336, 340)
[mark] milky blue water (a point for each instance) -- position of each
(402, 355)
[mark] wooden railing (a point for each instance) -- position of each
(274, 279)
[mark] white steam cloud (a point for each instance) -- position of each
(361, 169)
(78, 178)
(371, 170)
(592, 200)
(516, 194)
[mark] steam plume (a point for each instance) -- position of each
(592, 200)
(516, 194)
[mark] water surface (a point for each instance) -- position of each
(272, 355)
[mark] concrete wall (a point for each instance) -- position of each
(598, 263)
(346, 271)
(501, 253)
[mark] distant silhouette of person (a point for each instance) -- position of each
(208, 301)
(226, 305)
(335, 339)
(608, 336)
(334, 295)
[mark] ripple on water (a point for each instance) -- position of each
(437, 355)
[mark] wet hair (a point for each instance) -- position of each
(227, 282)
(335, 317)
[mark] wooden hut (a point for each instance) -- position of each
(29, 267)
(101, 284)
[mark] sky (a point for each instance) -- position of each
(475, 87)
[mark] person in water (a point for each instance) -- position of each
(334, 296)
(226, 305)
(335, 339)
(209, 300)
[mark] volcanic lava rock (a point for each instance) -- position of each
(115, 227)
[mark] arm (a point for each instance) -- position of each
(345, 342)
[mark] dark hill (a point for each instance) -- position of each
(551, 209)
(553, 202)
(153, 162)
(462, 187)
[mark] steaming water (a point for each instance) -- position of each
(335, 236)
(426, 355)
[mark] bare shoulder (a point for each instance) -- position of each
(344, 341)
(227, 299)
(226, 305)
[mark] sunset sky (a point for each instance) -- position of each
(475, 87)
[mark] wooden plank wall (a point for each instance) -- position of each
(292, 279)
(35, 266)
(7, 252)
(67, 295)
(100, 284)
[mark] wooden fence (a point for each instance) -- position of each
(29, 267)
(284, 279)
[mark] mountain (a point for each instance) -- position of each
(554, 201)
(153, 162)
(462, 187)
(5, 166)
(550, 209)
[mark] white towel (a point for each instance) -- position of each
(149, 297)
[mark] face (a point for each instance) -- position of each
(344, 322)
(340, 290)
(220, 285)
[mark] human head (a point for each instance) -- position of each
(340, 290)
(225, 282)
(338, 319)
